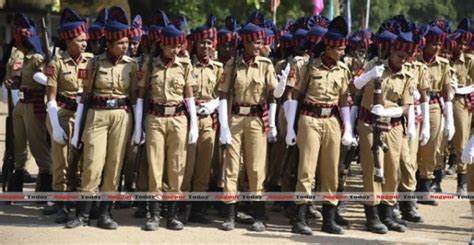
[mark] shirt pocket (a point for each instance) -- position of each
(124, 78)
(211, 80)
(69, 80)
(335, 86)
(156, 83)
(394, 93)
(258, 85)
(177, 85)
(103, 78)
(315, 85)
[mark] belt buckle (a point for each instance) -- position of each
(111, 103)
(325, 112)
(21, 95)
(384, 120)
(244, 110)
(170, 110)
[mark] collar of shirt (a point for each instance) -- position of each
(30, 54)
(113, 60)
(328, 62)
(67, 58)
(461, 58)
(248, 59)
(159, 61)
(241, 62)
(430, 60)
(393, 68)
(393, 71)
(202, 62)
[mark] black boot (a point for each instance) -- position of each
(153, 223)
(52, 209)
(461, 188)
(44, 183)
(182, 212)
(436, 183)
(15, 183)
(172, 221)
(397, 216)
(409, 212)
(258, 225)
(290, 211)
(95, 212)
(300, 226)
(82, 218)
(373, 222)
(329, 224)
(339, 219)
(386, 216)
(62, 216)
(244, 209)
(229, 222)
(425, 188)
(142, 211)
(105, 220)
(313, 211)
(198, 213)
(451, 164)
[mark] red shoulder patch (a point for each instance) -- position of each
(222, 79)
(17, 66)
(292, 73)
(50, 70)
(82, 74)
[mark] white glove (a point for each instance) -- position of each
(15, 96)
(411, 128)
(348, 137)
(59, 136)
(209, 107)
(449, 123)
(282, 79)
(467, 156)
(40, 78)
(374, 73)
(290, 115)
(138, 137)
(380, 111)
(425, 126)
(77, 125)
(193, 129)
(354, 113)
(272, 135)
(417, 110)
(416, 95)
(465, 90)
(454, 82)
(225, 136)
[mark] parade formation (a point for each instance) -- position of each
(117, 106)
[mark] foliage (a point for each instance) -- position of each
(420, 11)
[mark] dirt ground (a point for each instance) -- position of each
(448, 223)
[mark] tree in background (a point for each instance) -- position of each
(420, 11)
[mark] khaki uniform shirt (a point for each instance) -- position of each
(166, 83)
(323, 85)
(67, 76)
(111, 80)
(397, 88)
(253, 83)
(32, 63)
(206, 78)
